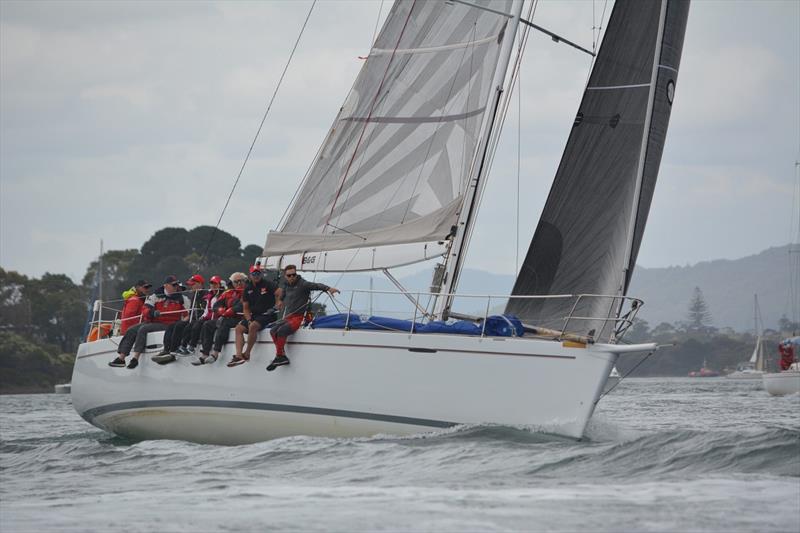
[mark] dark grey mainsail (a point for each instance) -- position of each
(592, 223)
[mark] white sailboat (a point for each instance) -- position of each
(398, 180)
(756, 365)
(787, 379)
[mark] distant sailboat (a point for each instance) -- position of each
(398, 180)
(756, 366)
(787, 379)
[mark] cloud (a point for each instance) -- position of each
(119, 118)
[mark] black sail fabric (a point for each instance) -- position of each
(580, 245)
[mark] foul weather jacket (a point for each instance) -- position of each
(131, 311)
(295, 297)
(171, 307)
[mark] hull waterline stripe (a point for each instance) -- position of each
(90, 414)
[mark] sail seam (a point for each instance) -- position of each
(416, 120)
(609, 87)
(433, 49)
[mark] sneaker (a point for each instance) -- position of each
(236, 361)
(279, 360)
(163, 359)
(133, 363)
(210, 359)
(162, 352)
(189, 350)
(119, 363)
(200, 360)
(181, 350)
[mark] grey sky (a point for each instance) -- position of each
(120, 118)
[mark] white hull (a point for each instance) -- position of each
(747, 374)
(347, 384)
(782, 383)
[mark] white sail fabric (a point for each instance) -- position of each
(396, 162)
(756, 351)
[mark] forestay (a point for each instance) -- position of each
(394, 167)
(592, 224)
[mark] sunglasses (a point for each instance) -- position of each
(290, 275)
(176, 285)
(256, 273)
(237, 281)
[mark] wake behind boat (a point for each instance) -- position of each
(398, 181)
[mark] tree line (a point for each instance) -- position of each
(689, 343)
(43, 320)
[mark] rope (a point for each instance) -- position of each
(626, 375)
(255, 138)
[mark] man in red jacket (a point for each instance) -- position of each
(165, 306)
(134, 301)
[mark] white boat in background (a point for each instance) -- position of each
(756, 366)
(398, 180)
(786, 381)
(63, 388)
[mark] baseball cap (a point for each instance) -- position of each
(255, 268)
(169, 280)
(143, 283)
(197, 278)
(215, 279)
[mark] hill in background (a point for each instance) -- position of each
(727, 285)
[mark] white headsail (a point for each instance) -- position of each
(396, 163)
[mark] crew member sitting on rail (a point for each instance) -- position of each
(229, 308)
(258, 308)
(194, 333)
(132, 308)
(295, 296)
(161, 309)
(178, 331)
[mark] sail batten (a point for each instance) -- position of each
(395, 165)
(591, 227)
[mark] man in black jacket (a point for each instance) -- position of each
(295, 296)
(258, 308)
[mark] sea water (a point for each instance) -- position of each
(660, 455)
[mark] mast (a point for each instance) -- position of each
(100, 286)
(627, 267)
(457, 249)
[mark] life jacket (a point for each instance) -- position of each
(229, 304)
(211, 298)
(786, 349)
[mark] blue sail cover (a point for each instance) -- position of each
(496, 326)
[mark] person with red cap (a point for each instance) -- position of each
(200, 327)
(258, 308)
(229, 310)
